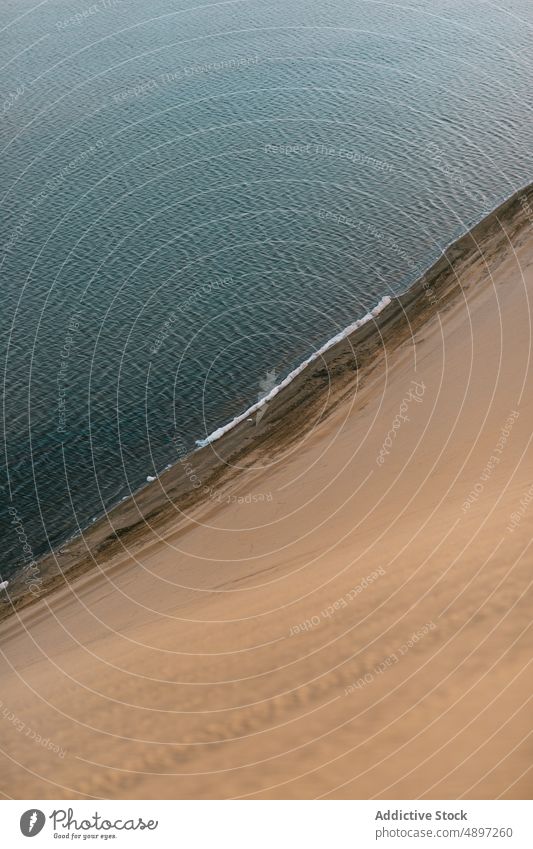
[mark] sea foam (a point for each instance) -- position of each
(384, 302)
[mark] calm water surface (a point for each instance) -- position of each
(195, 198)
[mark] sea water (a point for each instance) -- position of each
(194, 200)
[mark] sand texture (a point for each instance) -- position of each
(342, 609)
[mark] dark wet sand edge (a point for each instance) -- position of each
(312, 395)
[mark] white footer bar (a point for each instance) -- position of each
(269, 824)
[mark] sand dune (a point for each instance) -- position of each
(348, 615)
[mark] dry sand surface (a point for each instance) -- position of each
(349, 617)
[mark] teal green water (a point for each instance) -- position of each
(195, 197)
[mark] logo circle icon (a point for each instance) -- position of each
(32, 822)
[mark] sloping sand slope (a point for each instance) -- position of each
(348, 617)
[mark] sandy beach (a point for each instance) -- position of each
(333, 601)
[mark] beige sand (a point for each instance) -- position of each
(334, 621)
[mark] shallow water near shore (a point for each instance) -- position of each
(194, 205)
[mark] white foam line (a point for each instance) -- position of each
(384, 302)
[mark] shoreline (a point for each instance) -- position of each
(342, 608)
(201, 475)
